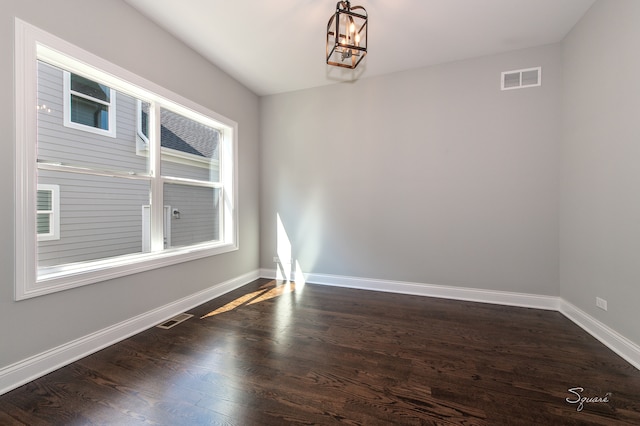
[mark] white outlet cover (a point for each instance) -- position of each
(601, 303)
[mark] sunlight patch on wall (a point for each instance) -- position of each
(287, 268)
(284, 270)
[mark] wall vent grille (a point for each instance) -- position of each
(172, 322)
(520, 79)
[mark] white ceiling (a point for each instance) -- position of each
(274, 46)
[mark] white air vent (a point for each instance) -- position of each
(174, 321)
(519, 79)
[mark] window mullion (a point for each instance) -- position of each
(90, 98)
(157, 193)
(192, 182)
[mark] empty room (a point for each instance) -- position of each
(360, 212)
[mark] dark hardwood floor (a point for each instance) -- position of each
(270, 354)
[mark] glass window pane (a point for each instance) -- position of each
(144, 119)
(189, 149)
(90, 88)
(195, 214)
(89, 113)
(43, 223)
(76, 147)
(44, 200)
(100, 217)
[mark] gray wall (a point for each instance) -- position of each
(600, 206)
(35, 325)
(430, 176)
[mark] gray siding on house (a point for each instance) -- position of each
(100, 216)
(199, 214)
(174, 169)
(57, 143)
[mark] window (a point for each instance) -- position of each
(161, 191)
(48, 212)
(142, 139)
(89, 105)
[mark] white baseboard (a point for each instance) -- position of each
(268, 273)
(430, 290)
(619, 344)
(29, 369)
(440, 291)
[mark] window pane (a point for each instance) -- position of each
(189, 149)
(44, 200)
(90, 88)
(100, 217)
(43, 223)
(60, 144)
(144, 119)
(195, 214)
(89, 113)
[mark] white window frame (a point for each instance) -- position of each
(54, 213)
(142, 141)
(33, 44)
(111, 105)
(146, 221)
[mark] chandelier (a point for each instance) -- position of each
(347, 35)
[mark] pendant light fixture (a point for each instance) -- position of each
(347, 35)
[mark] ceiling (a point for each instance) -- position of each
(278, 46)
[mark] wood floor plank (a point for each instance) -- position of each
(272, 354)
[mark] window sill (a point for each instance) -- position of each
(65, 277)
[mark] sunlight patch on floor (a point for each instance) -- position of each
(267, 291)
(288, 287)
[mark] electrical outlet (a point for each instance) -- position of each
(601, 303)
(275, 259)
